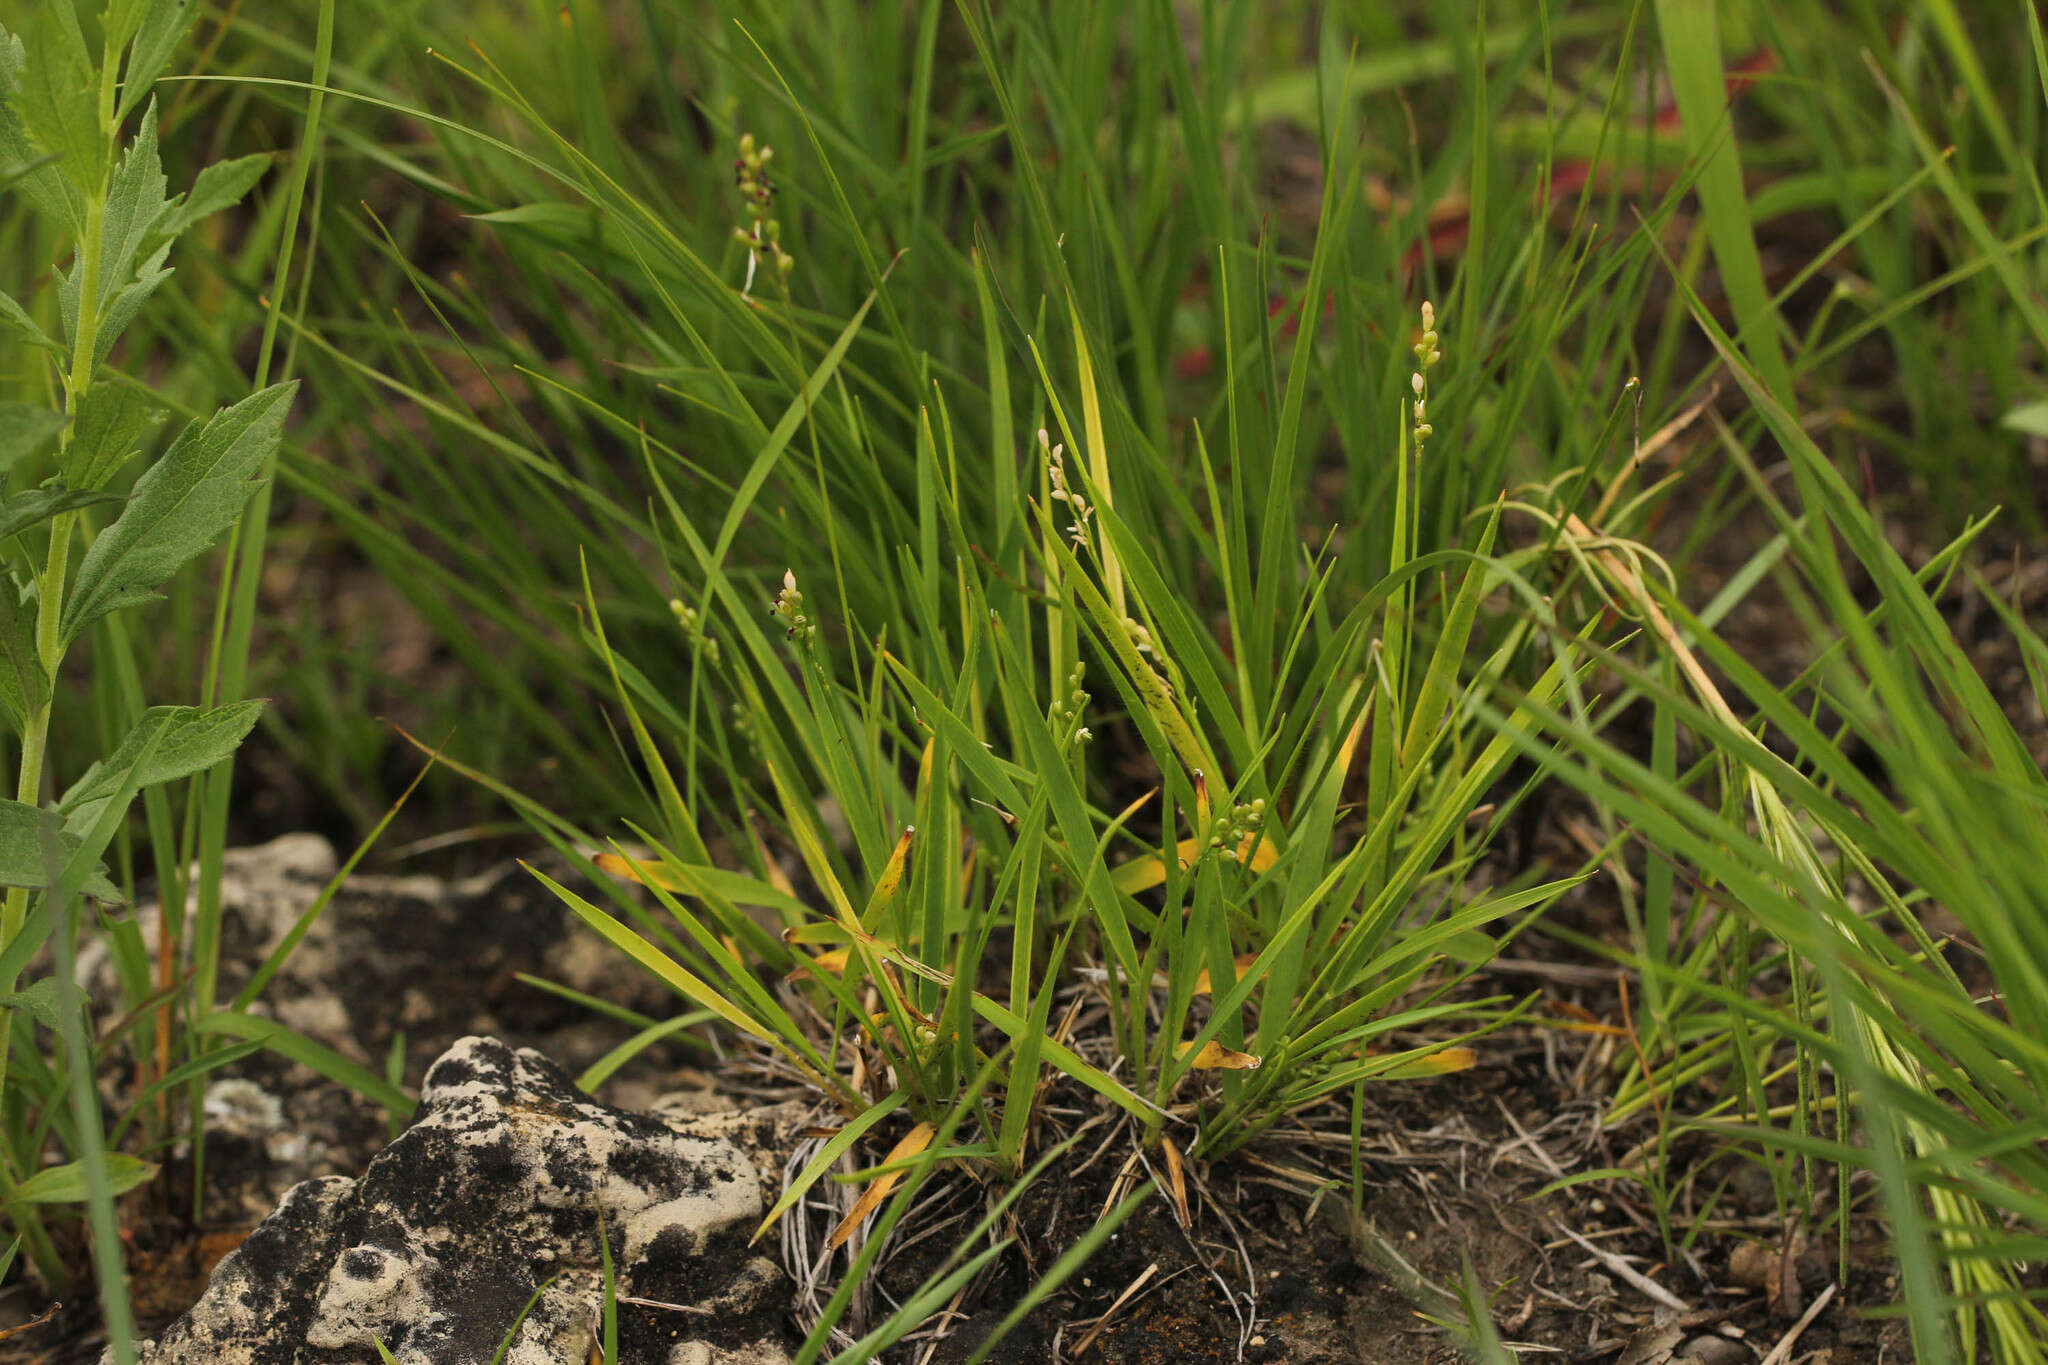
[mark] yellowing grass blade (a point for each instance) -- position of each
(835, 1147)
(645, 871)
(891, 880)
(833, 932)
(1202, 983)
(1177, 1176)
(1350, 745)
(833, 961)
(686, 983)
(915, 1141)
(1142, 874)
(1447, 1062)
(818, 931)
(705, 882)
(896, 957)
(1213, 1056)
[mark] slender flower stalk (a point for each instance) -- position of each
(1427, 354)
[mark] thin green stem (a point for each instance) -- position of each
(50, 651)
(50, 583)
(228, 662)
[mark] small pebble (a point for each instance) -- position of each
(1712, 1351)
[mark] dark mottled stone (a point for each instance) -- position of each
(505, 1181)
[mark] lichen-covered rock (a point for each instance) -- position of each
(500, 1187)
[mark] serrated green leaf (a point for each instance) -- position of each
(57, 99)
(120, 20)
(179, 507)
(38, 505)
(66, 1184)
(116, 312)
(22, 169)
(127, 304)
(24, 686)
(220, 186)
(24, 430)
(158, 36)
(38, 999)
(178, 741)
(113, 420)
(2031, 418)
(43, 183)
(15, 319)
(23, 829)
(135, 213)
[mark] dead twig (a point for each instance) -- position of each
(1782, 1352)
(1130, 1291)
(1635, 1278)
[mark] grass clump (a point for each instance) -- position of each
(980, 825)
(989, 704)
(1143, 753)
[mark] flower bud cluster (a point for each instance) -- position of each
(789, 609)
(1067, 711)
(1239, 825)
(692, 625)
(1426, 357)
(760, 232)
(1056, 473)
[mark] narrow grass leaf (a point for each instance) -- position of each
(1065, 1268)
(297, 1047)
(910, 1145)
(828, 1155)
